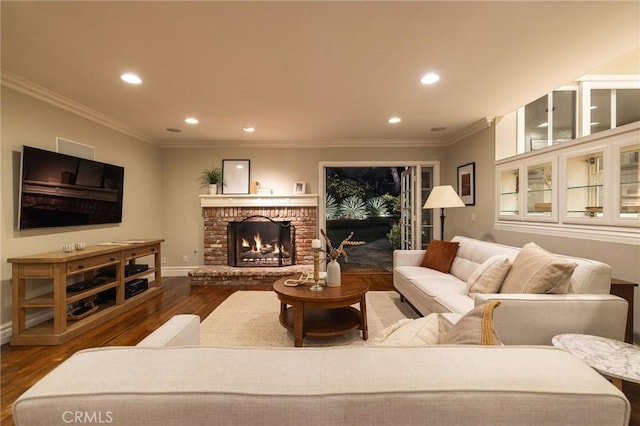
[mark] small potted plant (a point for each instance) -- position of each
(211, 178)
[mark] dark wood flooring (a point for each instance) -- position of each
(22, 366)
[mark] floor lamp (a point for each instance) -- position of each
(443, 197)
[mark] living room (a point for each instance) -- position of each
(161, 197)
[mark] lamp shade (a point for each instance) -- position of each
(443, 196)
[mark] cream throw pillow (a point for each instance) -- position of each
(419, 332)
(537, 271)
(488, 277)
(474, 328)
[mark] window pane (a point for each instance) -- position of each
(536, 124)
(600, 110)
(627, 106)
(564, 116)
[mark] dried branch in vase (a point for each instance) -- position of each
(335, 253)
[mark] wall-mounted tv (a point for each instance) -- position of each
(63, 190)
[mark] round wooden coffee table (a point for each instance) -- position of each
(324, 313)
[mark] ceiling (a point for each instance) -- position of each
(306, 72)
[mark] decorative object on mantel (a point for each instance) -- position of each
(236, 176)
(299, 187)
(333, 267)
(211, 178)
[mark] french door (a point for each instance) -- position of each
(417, 225)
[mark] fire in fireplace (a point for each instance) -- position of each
(260, 241)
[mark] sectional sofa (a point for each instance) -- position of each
(168, 379)
(582, 304)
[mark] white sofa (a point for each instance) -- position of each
(521, 319)
(159, 383)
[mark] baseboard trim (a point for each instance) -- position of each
(177, 271)
(6, 329)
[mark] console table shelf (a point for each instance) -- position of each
(63, 269)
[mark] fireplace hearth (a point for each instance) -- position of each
(261, 241)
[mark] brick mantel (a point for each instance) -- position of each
(253, 200)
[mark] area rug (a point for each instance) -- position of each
(250, 318)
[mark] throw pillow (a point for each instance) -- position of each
(419, 332)
(440, 255)
(488, 277)
(475, 328)
(537, 271)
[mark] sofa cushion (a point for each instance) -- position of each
(418, 332)
(474, 328)
(488, 277)
(440, 255)
(459, 303)
(418, 273)
(535, 270)
(436, 287)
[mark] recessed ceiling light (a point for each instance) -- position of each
(191, 120)
(130, 78)
(171, 129)
(429, 78)
(438, 129)
(394, 120)
(249, 129)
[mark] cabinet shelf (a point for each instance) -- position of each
(151, 270)
(75, 296)
(59, 267)
(585, 187)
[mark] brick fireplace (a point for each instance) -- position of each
(220, 210)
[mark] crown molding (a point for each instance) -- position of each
(476, 127)
(33, 90)
(385, 143)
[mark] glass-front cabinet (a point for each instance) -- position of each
(509, 193)
(628, 200)
(584, 185)
(541, 200)
(589, 187)
(527, 190)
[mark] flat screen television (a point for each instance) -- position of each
(63, 190)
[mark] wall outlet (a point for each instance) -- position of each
(185, 259)
(164, 259)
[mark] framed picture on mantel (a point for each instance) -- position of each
(235, 176)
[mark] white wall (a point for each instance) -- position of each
(623, 258)
(27, 121)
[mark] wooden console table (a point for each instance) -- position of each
(625, 290)
(64, 269)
